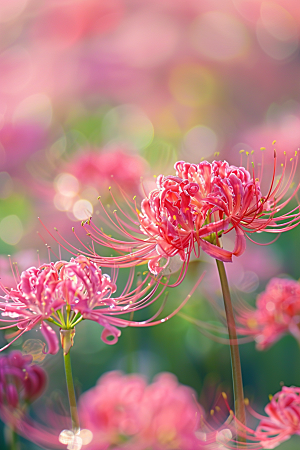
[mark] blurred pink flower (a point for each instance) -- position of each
(20, 380)
(123, 412)
(100, 168)
(193, 209)
(277, 313)
(18, 141)
(21, 383)
(283, 418)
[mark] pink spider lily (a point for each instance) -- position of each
(277, 313)
(281, 422)
(190, 211)
(283, 418)
(65, 293)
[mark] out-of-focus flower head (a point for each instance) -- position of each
(193, 209)
(65, 293)
(99, 168)
(122, 411)
(21, 381)
(283, 418)
(277, 313)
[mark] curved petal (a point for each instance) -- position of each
(240, 242)
(154, 265)
(112, 331)
(50, 338)
(216, 252)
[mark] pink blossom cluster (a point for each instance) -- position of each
(277, 313)
(123, 412)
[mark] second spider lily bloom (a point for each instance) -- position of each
(283, 418)
(65, 293)
(277, 313)
(190, 211)
(20, 380)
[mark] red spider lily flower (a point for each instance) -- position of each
(190, 211)
(283, 418)
(64, 293)
(281, 422)
(20, 380)
(277, 313)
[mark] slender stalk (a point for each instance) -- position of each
(12, 439)
(238, 390)
(71, 392)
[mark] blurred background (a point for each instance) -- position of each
(99, 93)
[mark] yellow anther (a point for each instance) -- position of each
(252, 151)
(99, 196)
(154, 176)
(231, 412)
(174, 217)
(274, 142)
(263, 148)
(109, 188)
(224, 395)
(247, 153)
(212, 412)
(246, 401)
(73, 229)
(291, 159)
(216, 153)
(134, 197)
(55, 228)
(242, 151)
(217, 408)
(270, 397)
(281, 165)
(296, 153)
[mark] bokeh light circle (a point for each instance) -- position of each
(219, 36)
(11, 229)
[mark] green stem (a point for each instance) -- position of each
(12, 438)
(71, 393)
(234, 349)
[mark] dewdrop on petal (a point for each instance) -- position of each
(224, 436)
(75, 441)
(86, 436)
(66, 436)
(75, 444)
